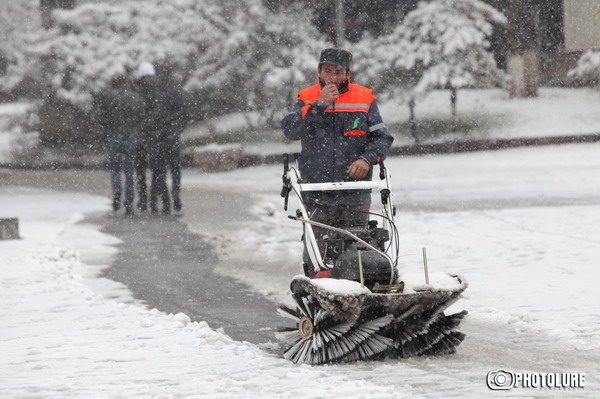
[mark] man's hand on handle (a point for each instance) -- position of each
(358, 169)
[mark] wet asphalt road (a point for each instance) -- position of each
(171, 269)
(164, 264)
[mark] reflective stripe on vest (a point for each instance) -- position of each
(355, 133)
(343, 107)
(356, 99)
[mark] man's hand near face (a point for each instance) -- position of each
(329, 93)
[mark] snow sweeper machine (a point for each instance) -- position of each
(358, 306)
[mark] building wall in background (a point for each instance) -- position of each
(582, 24)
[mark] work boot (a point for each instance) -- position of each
(116, 202)
(129, 211)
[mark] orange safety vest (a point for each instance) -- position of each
(356, 99)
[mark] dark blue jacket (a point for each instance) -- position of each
(334, 137)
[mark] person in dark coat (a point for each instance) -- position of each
(176, 118)
(120, 112)
(342, 136)
(165, 119)
(147, 85)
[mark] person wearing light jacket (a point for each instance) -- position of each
(342, 136)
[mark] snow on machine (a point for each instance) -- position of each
(357, 306)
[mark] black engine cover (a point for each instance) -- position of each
(376, 268)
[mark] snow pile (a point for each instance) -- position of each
(12, 136)
(414, 282)
(588, 67)
(340, 287)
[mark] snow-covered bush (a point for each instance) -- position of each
(587, 70)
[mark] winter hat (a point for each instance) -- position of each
(145, 69)
(336, 56)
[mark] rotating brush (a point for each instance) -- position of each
(318, 338)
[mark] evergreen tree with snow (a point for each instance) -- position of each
(264, 57)
(442, 44)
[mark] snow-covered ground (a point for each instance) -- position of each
(555, 112)
(491, 112)
(520, 225)
(60, 338)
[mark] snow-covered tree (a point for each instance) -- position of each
(263, 59)
(94, 42)
(442, 44)
(18, 20)
(233, 50)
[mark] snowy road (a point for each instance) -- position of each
(521, 225)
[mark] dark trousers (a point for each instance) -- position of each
(333, 215)
(173, 159)
(158, 188)
(121, 158)
(141, 165)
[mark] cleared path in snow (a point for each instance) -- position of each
(171, 269)
(166, 265)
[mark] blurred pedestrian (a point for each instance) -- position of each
(120, 111)
(165, 119)
(176, 118)
(147, 86)
(153, 126)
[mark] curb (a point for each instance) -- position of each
(452, 147)
(247, 160)
(490, 145)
